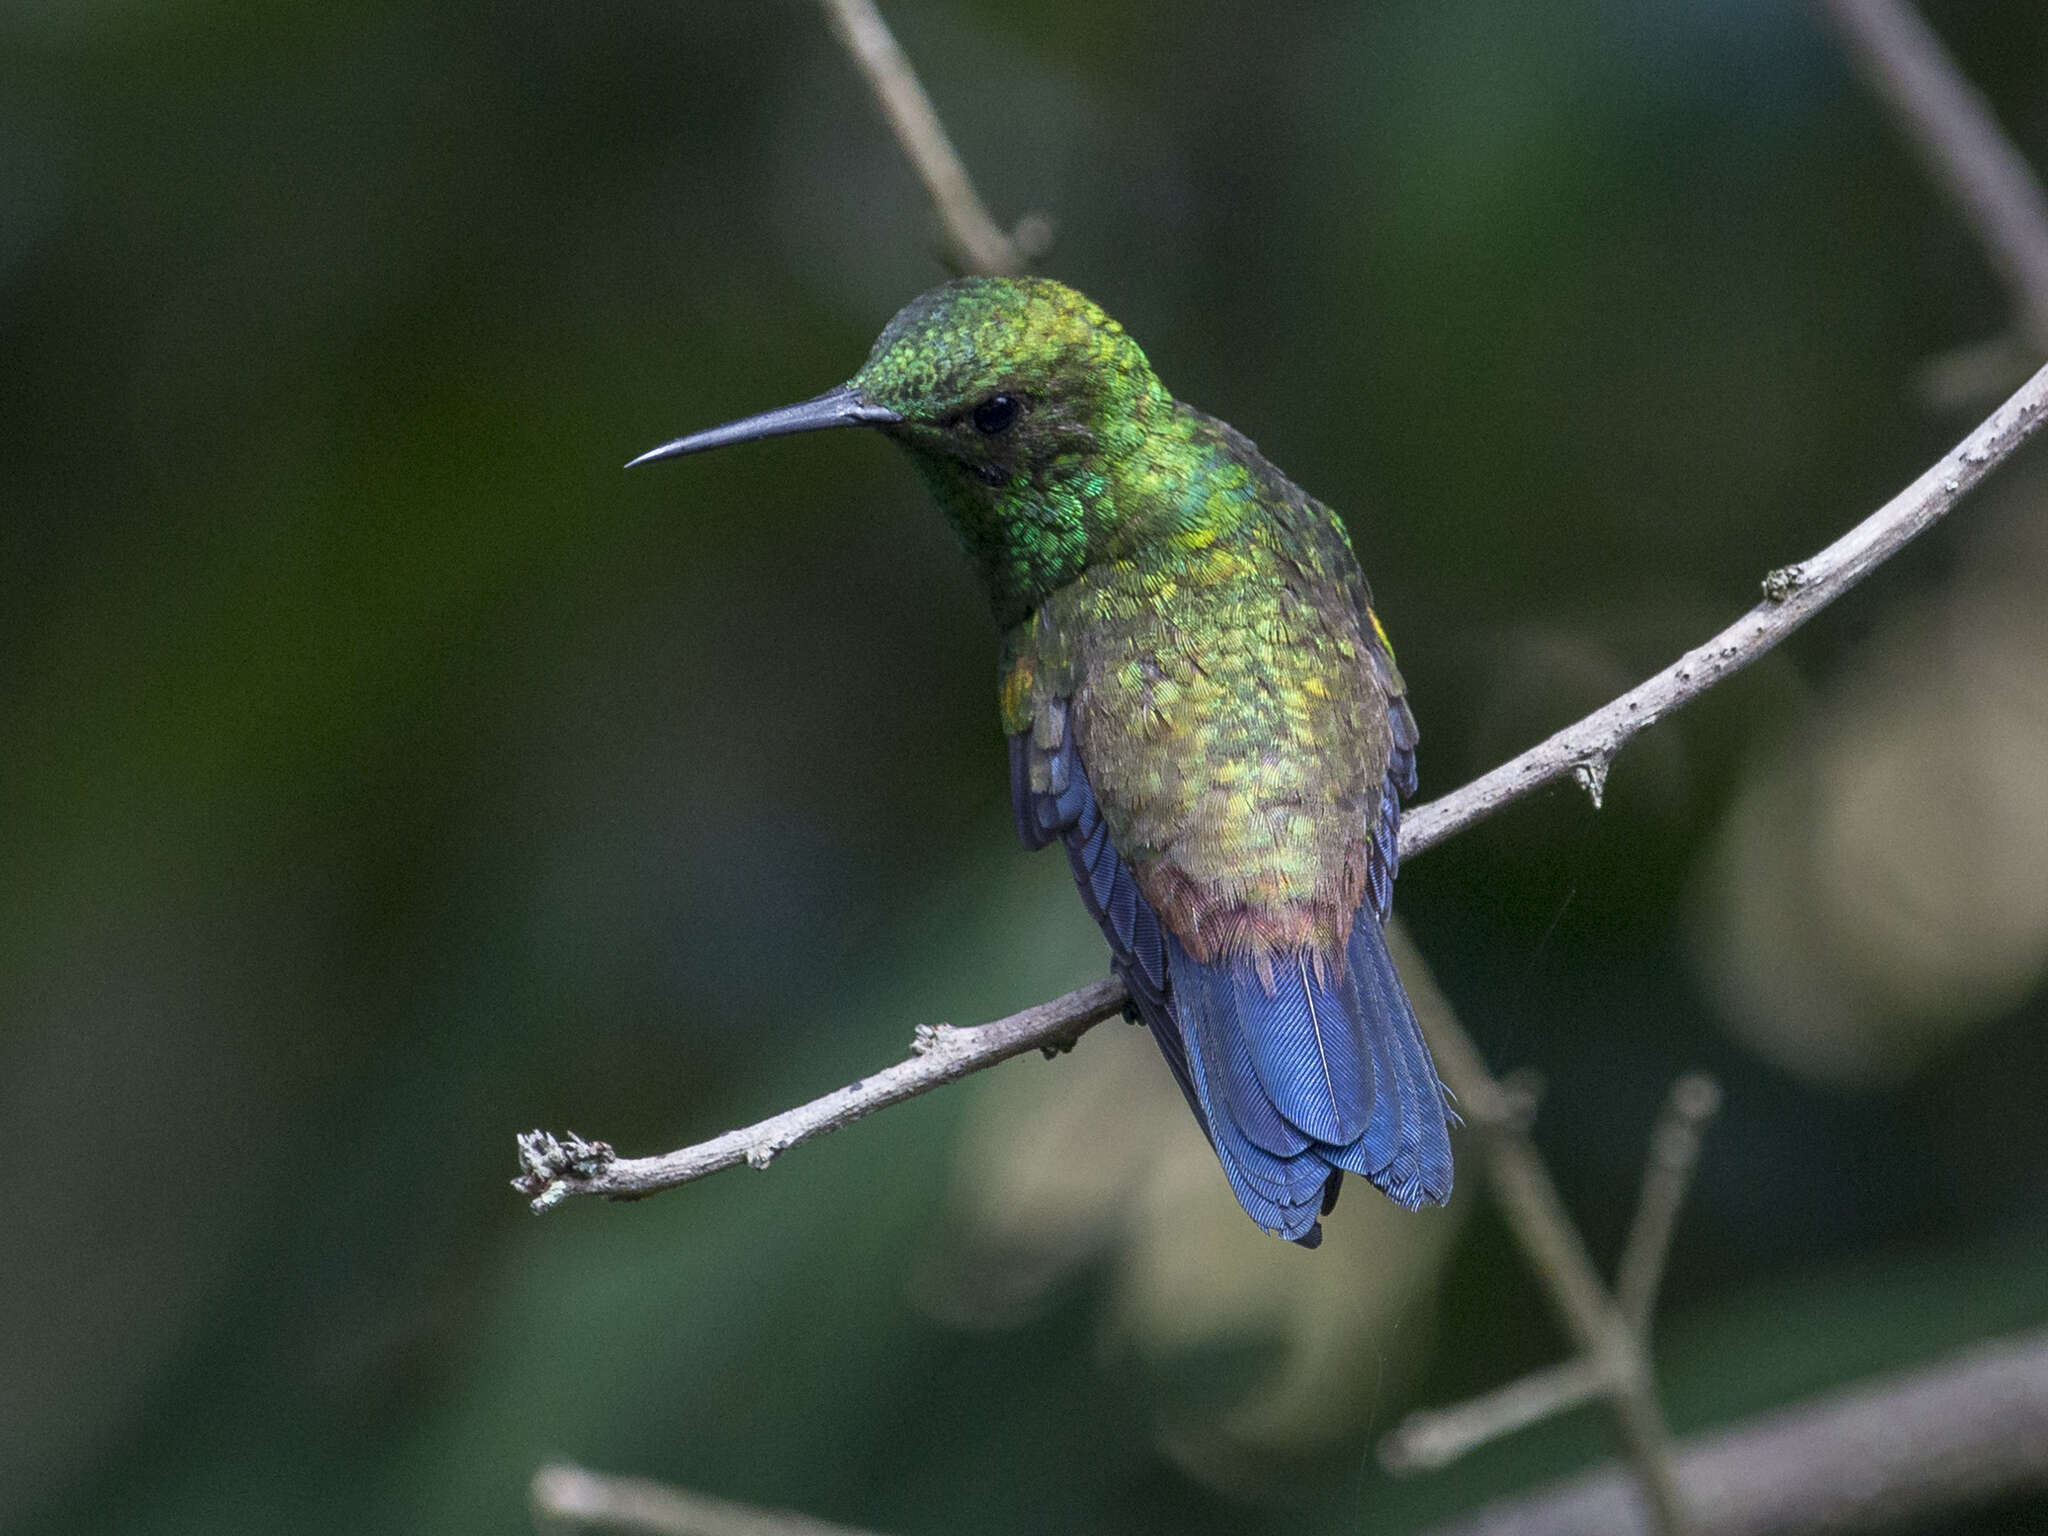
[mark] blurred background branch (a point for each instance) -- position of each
(976, 241)
(1667, 1174)
(1611, 1347)
(1431, 1439)
(1920, 1446)
(1992, 188)
(571, 1498)
(1924, 1446)
(1952, 128)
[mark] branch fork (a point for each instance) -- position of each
(1616, 1366)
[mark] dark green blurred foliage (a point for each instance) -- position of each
(382, 772)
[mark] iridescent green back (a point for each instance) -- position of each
(1232, 704)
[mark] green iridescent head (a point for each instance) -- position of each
(1005, 376)
(1017, 398)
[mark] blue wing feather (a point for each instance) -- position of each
(1023, 802)
(1282, 1194)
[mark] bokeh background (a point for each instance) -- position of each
(382, 772)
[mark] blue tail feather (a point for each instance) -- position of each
(1340, 1079)
(1226, 1053)
(1308, 1044)
(1282, 1194)
(1417, 1168)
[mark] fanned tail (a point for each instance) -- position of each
(1319, 1075)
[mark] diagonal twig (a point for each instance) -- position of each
(979, 243)
(1952, 128)
(1430, 1439)
(1793, 594)
(1667, 1174)
(940, 1054)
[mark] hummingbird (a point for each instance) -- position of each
(1202, 709)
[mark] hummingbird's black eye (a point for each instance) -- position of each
(995, 414)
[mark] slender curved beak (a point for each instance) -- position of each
(841, 407)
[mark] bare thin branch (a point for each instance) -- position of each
(574, 1496)
(1794, 594)
(1951, 126)
(1908, 1451)
(979, 243)
(1667, 1174)
(939, 1054)
(1430, 1439)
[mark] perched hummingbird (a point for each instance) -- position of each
(1202, 709)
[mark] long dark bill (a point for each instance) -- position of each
(841, 407)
